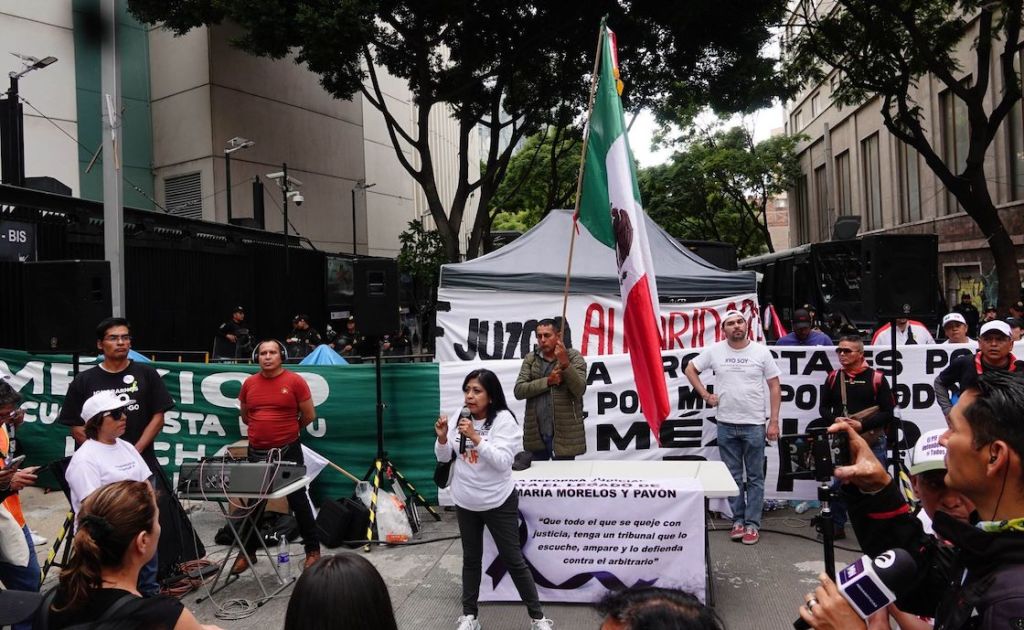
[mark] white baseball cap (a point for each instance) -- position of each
(928, 454)
(995, 326)
(953, 317)
(104, 401)
(732, 313)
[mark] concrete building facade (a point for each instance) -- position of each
(185, 97)
(852, 165)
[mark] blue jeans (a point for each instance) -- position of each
(22, 578)
(741, 448)
(148, 586)
(549, 451)
(839, 513)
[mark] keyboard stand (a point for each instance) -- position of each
(252, 518)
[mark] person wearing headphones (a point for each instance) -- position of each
(275, 404)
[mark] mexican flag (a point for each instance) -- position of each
(610, 210)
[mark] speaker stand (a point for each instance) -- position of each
(382, 466)
(896, 457)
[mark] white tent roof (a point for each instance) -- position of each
(536, 262)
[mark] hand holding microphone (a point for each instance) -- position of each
(465, 424)
(861, 588)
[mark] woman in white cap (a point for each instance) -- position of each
(105, 458)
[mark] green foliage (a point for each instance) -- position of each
(511, 66)
(422, 254)
(885, 49)
(719, 186)
(541, 176)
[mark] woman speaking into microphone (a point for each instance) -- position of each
(483, 492)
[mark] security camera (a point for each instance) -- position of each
(298, 198)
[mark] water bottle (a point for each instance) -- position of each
(283, 564)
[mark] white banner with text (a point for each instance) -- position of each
(584, 537)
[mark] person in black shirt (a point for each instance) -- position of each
(970, 313)
(233, 339)
(117, 535)
(865, 389)
(303, 338)
(994, 353)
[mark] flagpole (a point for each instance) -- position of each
(579, 176)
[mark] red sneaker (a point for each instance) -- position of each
(751, 536)
(736, 533)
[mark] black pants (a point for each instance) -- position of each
(503, 523)
(298, 502)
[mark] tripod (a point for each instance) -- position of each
(382, 466)
(827, 528)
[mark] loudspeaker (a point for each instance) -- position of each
(64, 301)
(899, 275)
(376, 296)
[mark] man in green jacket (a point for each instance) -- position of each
(552, 381)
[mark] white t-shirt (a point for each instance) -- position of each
(970, 343)
(740, 380)
(482, 476)
(96, 464)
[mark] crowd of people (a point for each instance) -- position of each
(234, 340)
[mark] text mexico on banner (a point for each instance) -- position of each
(584, 537)
(490, 325)
(615, 429)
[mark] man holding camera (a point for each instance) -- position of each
(974, 579)
(742, 369)
(859, 396)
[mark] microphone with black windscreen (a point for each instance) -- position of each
(462, 440)
(870, 585)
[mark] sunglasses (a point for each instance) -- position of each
(846, 351)
(120, 412)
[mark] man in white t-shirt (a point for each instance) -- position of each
(742, 368)
(954, 326)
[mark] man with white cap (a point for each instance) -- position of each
(995, 345)
(742, 368)
(105, 458)
(954, 326)
(927, 466)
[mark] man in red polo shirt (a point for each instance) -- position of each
(275, 404)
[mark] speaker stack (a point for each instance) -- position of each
(900, 275)
(64, 301)
(376, 296)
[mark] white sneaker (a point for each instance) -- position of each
(467, 622)
(542, 624)
(37, 539)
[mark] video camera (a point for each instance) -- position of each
(813, 455)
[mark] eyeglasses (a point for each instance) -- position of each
(846, 351)
(116, 338)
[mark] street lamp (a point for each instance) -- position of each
(235, 144)
(360, 185)
(289, 190)
(12, 132)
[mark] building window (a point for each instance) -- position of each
(910, 182)
(872, 177)
(815, 104)
(798, 120)
(183, 195)
(803, 211)
(953, 112)
(833, 83)
(821, 201)
(844, 194)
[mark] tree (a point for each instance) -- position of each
(541, 176)
(510, 66)
(719, 187)
(882, 49)
(420, 259)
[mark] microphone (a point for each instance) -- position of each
(462, 440)
(870, 585)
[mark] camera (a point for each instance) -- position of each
(813, 455)
(298, 198)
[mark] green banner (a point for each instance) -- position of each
(205, 416)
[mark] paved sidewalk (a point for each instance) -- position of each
(757, 587)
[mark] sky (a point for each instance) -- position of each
(640, 136)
